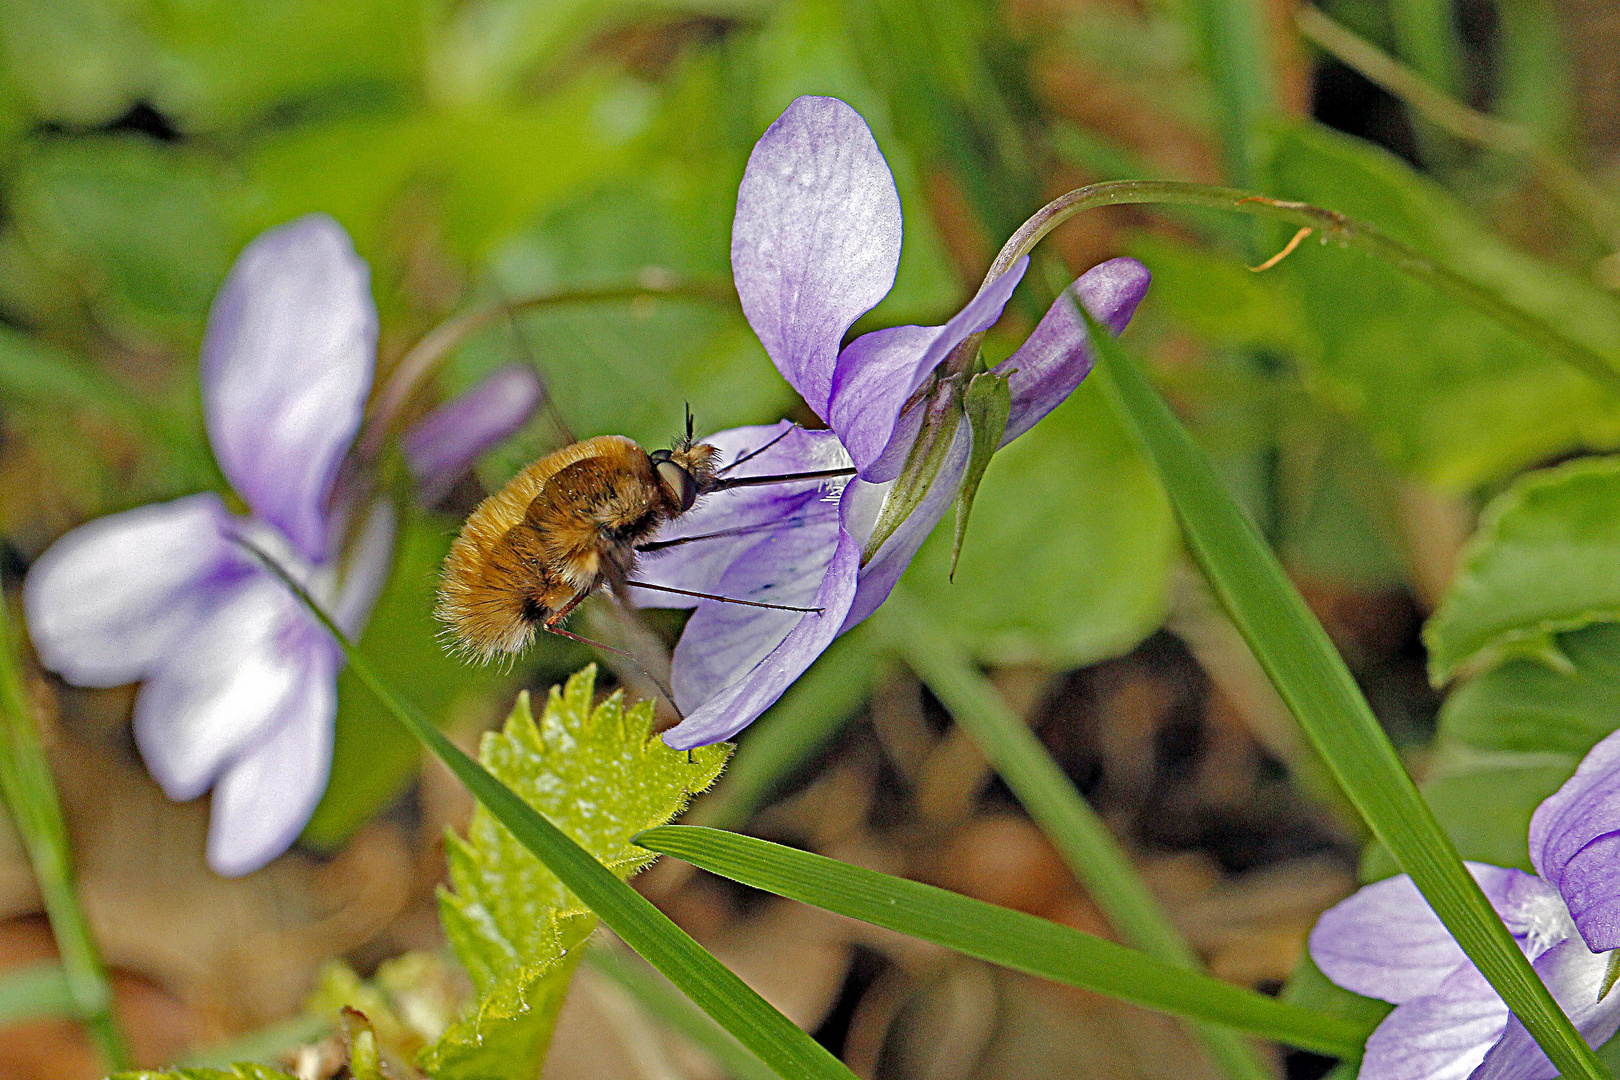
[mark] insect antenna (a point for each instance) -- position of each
(655, 546)
(722, 599)
(754, 453)
(669, 695)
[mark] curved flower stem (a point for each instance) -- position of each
(30, 794)
(1332, 227)
(1085, 843)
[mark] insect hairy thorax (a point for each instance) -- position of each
(561, 528)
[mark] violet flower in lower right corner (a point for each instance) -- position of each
(1449, 1023)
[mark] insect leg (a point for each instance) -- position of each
(712, 596)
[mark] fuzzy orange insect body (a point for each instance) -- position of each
(557, 531)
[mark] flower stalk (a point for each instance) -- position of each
(1331, 227)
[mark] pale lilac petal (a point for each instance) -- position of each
(1575, 844)
(106, 601)
(860, 506)
(1385, 941)
(286, 365)
(745, 515)
(266, 797)
(1575, 976)
(224, 684)
(1053, 360)
(444, 444)
(365, 571)
(1439, 1036)
(736, 665)
(877, 372)
(816, 239)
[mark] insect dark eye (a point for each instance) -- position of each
(679, 481)
(659, 457)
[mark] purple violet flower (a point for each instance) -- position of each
(239, 681)
(1386, 942)
(815, 244)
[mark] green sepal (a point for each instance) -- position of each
(1611, 974)
(988, 407)
(597, 771)
(922, 465)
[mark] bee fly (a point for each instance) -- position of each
(571, 522)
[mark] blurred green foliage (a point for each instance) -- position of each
(504, 149)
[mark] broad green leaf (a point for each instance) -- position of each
(1217, 298)
(601, 776)
(1546, 558)
(999, 935)
(409, 1002)
(241, 1071)
(1072, 546)
(1528, 706)
(143, 229)
(1313, 681)
(79, 62)
(1448, 393)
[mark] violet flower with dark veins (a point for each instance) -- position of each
(1386, 942)
(239, 681)
(815, 244)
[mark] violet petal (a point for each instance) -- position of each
(1575, 975)
(366, 571)
(1053, 360)
(860, 506)
(797, 642)
(1438, 1036)
(224, 683)
(1385, 941)
(441, 447)
(1575, 844)
(877, 372)
(106, 601)
(744, 516)
(286, 365)
(266, 797)
(816, 239)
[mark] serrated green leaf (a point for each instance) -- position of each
(601, 776)
(1546, 559)
(240, 1071)
(988, 404)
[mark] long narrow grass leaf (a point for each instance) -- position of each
(30, 794)
(718, 991)
(1067, 819)
(1312, 679)
(661, 1000)
(1000, 936)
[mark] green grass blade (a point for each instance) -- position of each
(661, 1000)
(31, 992)
(29, 793)
(732, 1003)
(1001, 936)
(796, 728)
(1309, 674)
(1231, 38)
(1042, 788)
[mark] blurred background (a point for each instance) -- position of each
(489, 150)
